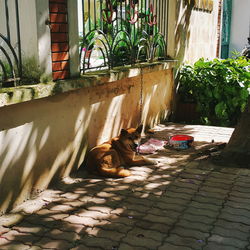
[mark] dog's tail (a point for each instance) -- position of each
(114, 172)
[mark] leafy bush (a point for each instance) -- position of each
(219, 87)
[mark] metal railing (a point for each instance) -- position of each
(10, 57)
(122, 32)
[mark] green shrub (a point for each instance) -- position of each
(219, 87)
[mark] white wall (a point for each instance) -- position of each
(35, 35)
(240, 24)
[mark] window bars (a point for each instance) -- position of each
(121, 32)
(10, 61)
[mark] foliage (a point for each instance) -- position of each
(31, 71)
(219, 87)
(123, 39)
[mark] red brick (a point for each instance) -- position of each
(59, 37)
(59, 47)
(59, 75)
(55, 27)
(61, 56)
(58, 18)
(58, 66)
(55, 7)
(59, 27)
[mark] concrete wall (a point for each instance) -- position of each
(240, 25)
(195, 31)
(35, 35)
(47, 138)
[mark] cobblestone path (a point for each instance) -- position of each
(183, 203)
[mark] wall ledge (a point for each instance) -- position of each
(19, 94)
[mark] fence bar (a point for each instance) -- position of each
(83, 19)
(123, 48)
(89, 15)
(18, 39)
(7, 19)
(95, 12)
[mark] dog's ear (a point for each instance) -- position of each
(124, 132)
(139, 129)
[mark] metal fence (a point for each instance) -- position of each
(122, 32)
(10, 56)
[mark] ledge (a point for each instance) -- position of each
(25, 93)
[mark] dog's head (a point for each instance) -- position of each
(131, 137)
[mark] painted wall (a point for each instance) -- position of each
(240, 25)
(35, 35)
(195, 31)
(47, 138)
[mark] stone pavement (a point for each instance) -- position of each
(185, 202)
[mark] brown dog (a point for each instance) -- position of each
(109, 158)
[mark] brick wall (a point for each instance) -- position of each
(59, 39)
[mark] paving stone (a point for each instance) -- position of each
(207, 200)
(25, 227)
(159, 219)
(14, 246)
(86, 221)
(138, 238)
(235, 204)
(214, 246)
(159, 227)
(239, 183)
(46, 242)
(181, 189)
(202, 212)
(118, 227)
(25, 238)
(228, 241)
(4, 241)
(237, 211)
(139, 232)
(195, 225)
(185, 196)
(69, 227)
(11, 219)
(232, 225)
(102, 209)
(62, 235)
(180, 231)
(235, 218)
(222, 176)
(169, 246)
(169, 206)
(99, 243)
(211, 207)
(197, 218)
(184, 241)
(239, 194)
(168, 213)
(185, 183)
(74, 204)
(197, 177)
(139, 208)
(36, 248)
(125, 246)
(240, 200)
(143, 202)
(97, 215)
(211, 183)
(3, 230)
(226, 232)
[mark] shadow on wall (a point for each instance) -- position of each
(45, 139)
(182, 33)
